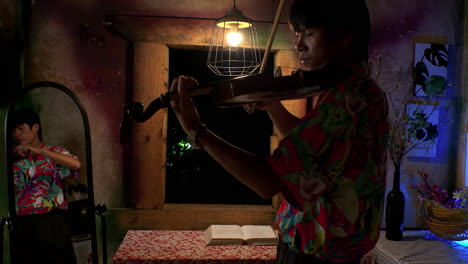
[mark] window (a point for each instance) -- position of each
(192, 176)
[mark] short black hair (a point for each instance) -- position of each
(26, 116)
(335, 16)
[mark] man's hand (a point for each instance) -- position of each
(250, 108)
(183, 105)
(26, 150)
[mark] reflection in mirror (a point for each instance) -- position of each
(64, 126)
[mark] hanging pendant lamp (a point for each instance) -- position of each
(234, 49)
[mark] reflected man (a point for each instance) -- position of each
(41, 233)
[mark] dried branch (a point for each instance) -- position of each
(400, 142)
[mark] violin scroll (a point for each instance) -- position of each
(137, 112)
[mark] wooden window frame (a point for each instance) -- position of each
(150, 79)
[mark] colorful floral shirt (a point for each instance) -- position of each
(333, 166)
(39, 183)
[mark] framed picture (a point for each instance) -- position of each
(422, 128)
(431, 74)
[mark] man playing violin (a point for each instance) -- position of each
(41, 234)
(330, 165)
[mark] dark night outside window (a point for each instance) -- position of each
(192, 176)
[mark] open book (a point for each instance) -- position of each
(238, 235)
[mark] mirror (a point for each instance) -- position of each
(64, 124)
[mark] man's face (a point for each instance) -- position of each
(24, 134)
(314, 48)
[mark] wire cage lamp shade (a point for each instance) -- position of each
(234, 49)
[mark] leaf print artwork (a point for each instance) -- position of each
(430, 69)
(422, 129)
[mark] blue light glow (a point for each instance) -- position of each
(466, 160)
(462, 243)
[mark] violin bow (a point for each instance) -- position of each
(251, 107)
(272, 35)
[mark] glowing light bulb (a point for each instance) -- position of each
(234, 38)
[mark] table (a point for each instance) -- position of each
(183, 247)
(418, 247)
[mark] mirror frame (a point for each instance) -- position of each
(89, 169)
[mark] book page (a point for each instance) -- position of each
(223, 235)
(259, 235)
(226, 231)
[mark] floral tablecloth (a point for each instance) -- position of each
(184, 247)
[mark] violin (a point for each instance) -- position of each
(251, 89)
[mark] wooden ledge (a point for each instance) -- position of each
(191, 216)
(218, 207)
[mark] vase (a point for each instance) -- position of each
(395, 209)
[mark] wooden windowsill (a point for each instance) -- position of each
(217, 207)
(191, 216)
